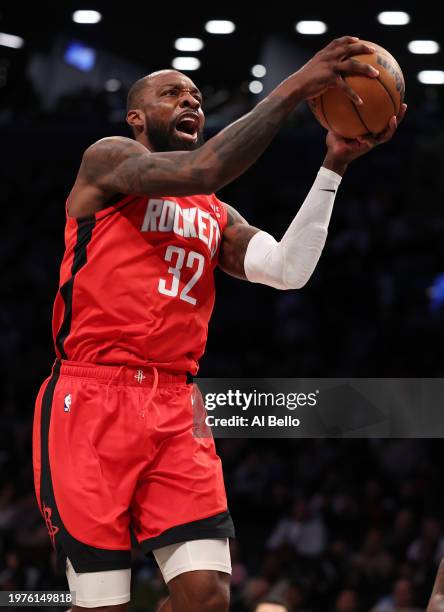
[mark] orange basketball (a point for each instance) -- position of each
(382, 97)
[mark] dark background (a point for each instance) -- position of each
(371, 309)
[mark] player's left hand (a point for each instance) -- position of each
(345, 150)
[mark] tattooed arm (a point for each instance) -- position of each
(121, 165)
(235, 239)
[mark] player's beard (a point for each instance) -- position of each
(164, 138)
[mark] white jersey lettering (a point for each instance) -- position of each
(153, 210)
(201, 216)
(169, 216)
(179, 215)
(189, 214)
(216, 236)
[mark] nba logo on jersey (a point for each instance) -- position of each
(216, 210)
(67, 404)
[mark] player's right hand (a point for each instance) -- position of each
(327, 68)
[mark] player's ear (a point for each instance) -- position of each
(136, 119)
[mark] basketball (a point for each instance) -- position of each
(382, 97)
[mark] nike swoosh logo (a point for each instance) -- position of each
(331, 190)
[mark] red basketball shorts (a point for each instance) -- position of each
(114, 455)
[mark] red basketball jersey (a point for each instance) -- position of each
(137, 284)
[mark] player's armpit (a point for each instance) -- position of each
(235, 239)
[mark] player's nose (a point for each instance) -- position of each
(187, 100)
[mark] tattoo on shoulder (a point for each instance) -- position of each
(106, 154)
(233, 217)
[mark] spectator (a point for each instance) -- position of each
(347, 601)
(303, 531)
(430, 544)
(401, 600)
(373, 560)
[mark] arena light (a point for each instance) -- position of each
(311, 27)
(112, 85)
(258, 71)
(427, 47)
(186, 63)
(86, 16)
(220, 26)
(431, 77)
(80, 56)
(255, 87)
(188, 44)
(394, 18)
(11, 41)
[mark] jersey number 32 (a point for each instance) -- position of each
(193, 260)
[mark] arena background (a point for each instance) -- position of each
(327, 524)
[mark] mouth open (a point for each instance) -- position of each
(188, 127)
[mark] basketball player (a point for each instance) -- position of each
(113, 443)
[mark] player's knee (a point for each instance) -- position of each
(201, 591)
(214, 596)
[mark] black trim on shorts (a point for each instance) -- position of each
(85, 228)
(214, 527)
(84, 558)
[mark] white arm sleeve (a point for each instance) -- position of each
(288, 264)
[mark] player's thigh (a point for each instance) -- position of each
(85, 466)
(197, 573)
(181, 495)
(99, 590)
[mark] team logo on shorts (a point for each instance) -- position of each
(139, 376)
(52, 529)
(67, 404)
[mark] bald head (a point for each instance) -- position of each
(164, 110)
(135, 94)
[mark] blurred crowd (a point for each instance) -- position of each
(322, 524)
